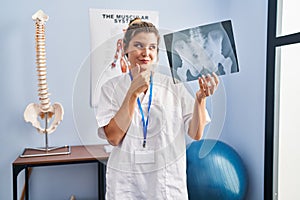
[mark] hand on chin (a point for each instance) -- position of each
(139, 68)
(144, 67)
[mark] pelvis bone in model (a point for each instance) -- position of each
(43, 111)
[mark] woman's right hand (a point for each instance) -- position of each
(140, 80)
(119, 124)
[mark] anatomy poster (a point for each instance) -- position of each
(200, 50)
(106, 28)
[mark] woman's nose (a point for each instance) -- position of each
(145, 51)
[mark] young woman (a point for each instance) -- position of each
(146, 116)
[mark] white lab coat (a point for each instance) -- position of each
(170, 114)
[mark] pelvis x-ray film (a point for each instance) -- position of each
(201, 50)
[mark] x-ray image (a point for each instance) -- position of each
(201, 50)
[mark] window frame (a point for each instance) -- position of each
(273, 41)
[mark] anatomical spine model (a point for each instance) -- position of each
(44, 110)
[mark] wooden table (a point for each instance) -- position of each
(78, 155)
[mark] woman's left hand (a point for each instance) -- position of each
(208, 85)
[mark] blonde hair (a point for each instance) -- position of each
(137, 26)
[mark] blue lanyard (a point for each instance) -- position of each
(145, 123)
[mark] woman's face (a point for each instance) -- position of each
(142, 50)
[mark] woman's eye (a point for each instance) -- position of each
(140, 46)
(152, 47)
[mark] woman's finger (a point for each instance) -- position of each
(201, 83)
(135, 70)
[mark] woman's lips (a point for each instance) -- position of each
(145, 61)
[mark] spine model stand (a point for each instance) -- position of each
(34, 113)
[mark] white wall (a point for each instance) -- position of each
(67, 33)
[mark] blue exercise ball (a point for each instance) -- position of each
(215, 171)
